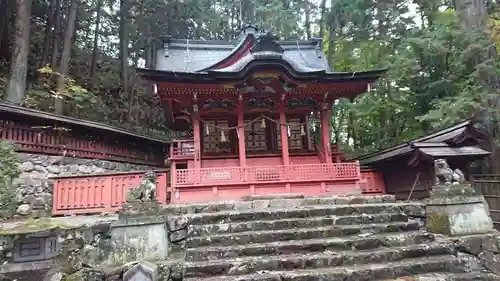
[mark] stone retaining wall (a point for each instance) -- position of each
(34, 189)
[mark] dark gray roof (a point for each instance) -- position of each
(453, 151)
(184, 55)
(191, 56)
(27, 113)
(432, 142)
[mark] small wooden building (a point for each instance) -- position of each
(408, 169)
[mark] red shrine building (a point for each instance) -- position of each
(259, 111)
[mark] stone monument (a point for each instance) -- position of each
(140, 233)
(454, 208)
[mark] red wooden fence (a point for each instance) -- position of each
(37, 140)
(99, 193)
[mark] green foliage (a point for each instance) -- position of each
(8, 172)
(74, 95)
(434, 77)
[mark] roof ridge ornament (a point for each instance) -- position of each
(249, 29)
(267, 43)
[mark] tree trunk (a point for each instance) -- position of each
(322, 19)
(96, 39)
(307, 12)
(149, 52)
(5, 13)
(123, 45)
(65, 58)
(16, 85)
(472, 13)
(55, 35)
(47, 39)
(472, 16)
(331, 33)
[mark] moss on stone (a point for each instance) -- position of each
(33, 226)
(8, 172)
(454, 190)
(438, 223)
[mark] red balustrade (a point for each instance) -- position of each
(33, 140)
(279, 173)
(99, 193)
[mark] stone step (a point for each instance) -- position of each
(248, 265)
(355, 242)
(288, 213)
(470, 276)
(251, 237)
(221, 228)
(265, 202)
(367, 272)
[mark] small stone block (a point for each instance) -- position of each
(206, 208)
(374, 199)
(453, 190)
(143, 271)
(327, 200)
(285, 203)
(261, 204)
(225, 206)
(140, 208)
(342, 200)
(358, 200)
(243, 205)
(308, 201)
(387, 198)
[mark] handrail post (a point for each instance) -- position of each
(245, 174)
(172, 150)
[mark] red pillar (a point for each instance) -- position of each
(241, 135)
(241, 140)
(326, 134)
(284, 134)
(197, 138)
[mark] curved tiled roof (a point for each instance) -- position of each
(191, 56)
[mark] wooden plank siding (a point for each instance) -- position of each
(488, 185)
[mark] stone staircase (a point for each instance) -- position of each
(317, 239)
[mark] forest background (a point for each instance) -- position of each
(77, 58)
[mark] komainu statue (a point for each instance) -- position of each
(145, 191)
(445, 175)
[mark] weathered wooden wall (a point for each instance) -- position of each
(407, 182)
(489, 186)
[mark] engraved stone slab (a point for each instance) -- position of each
(143, 271)
(35, 248)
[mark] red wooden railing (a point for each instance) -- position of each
(289, 173)
(48, 142)
(182, 149)
(99, 193)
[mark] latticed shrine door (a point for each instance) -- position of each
(295, 138)
(212, 142)
(255, 138)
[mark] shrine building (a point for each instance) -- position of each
(259, 111)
